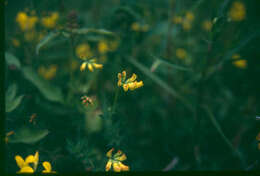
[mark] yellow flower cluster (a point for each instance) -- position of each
(185, 21)
(50, 21)
(130, 83)
(181, 53)
(139, 28)
(48, 73)
(116, 161)
(26, 22)
(237, 11)
(83, 51)
(25, 167)
(91, 65)
(240, 63)
(206, 25)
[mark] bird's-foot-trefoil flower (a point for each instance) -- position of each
(91, 64)
(130, 83)
(29, 165)
(25, 166)
(116, 161)
(47, 167)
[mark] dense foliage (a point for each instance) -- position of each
(163, 84)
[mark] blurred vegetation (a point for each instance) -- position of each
(194, 106)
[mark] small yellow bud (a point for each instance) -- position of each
(125, 87)
(90, 67)
(133, 78)
(83, 66)
(98, 66)
(139, 84)
(109, 153)
(108, 165)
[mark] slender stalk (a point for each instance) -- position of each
(115, 101)
(226, 140)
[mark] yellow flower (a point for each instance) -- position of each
(237, 11)
(181, 53)
(50, 21)
(240, 63)
(48, 73)
(47, 167)
(136, 26)
(91, 65)
(186, 25)
(24, 164)
(26, 22)
(116, 161)
(189, 16)
(16, 42)
(130, 83)
(206, 25)
(177, 20)
(30, 35)
(83, 51)
(103, 47)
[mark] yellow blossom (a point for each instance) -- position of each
(47, 167)
(186, 25)
(116, 161)
(91, 64)
(237, 11)
(181, 53)
(135, 26)
(49, 72)
(189, 16)
(103, 47)
(26, 22)
(83, 51)
(130, 83)
(16, 42)
(206, 25)
(24, 164)
(238, 62)
(50, 21)
(177, 19)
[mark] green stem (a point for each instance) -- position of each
(115, 101)
(217, 126)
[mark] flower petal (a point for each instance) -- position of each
(26, 169)
(123, 167)
(90, 67)
(19, 160)
(29, 159)
(109, 153)
(47, 166)
(108, 165)
(121, 158)
(125, 87)
(116, 167)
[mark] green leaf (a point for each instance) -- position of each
(49, 91)
(12, 102)
(28, 135)
(11, 105)
(46, 40)
(166, 63)
(12, 60)
(92, 30)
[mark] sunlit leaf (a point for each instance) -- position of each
(48, 90)
(12, 60)
(12, 102)
(46, 40)
(28, 135)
